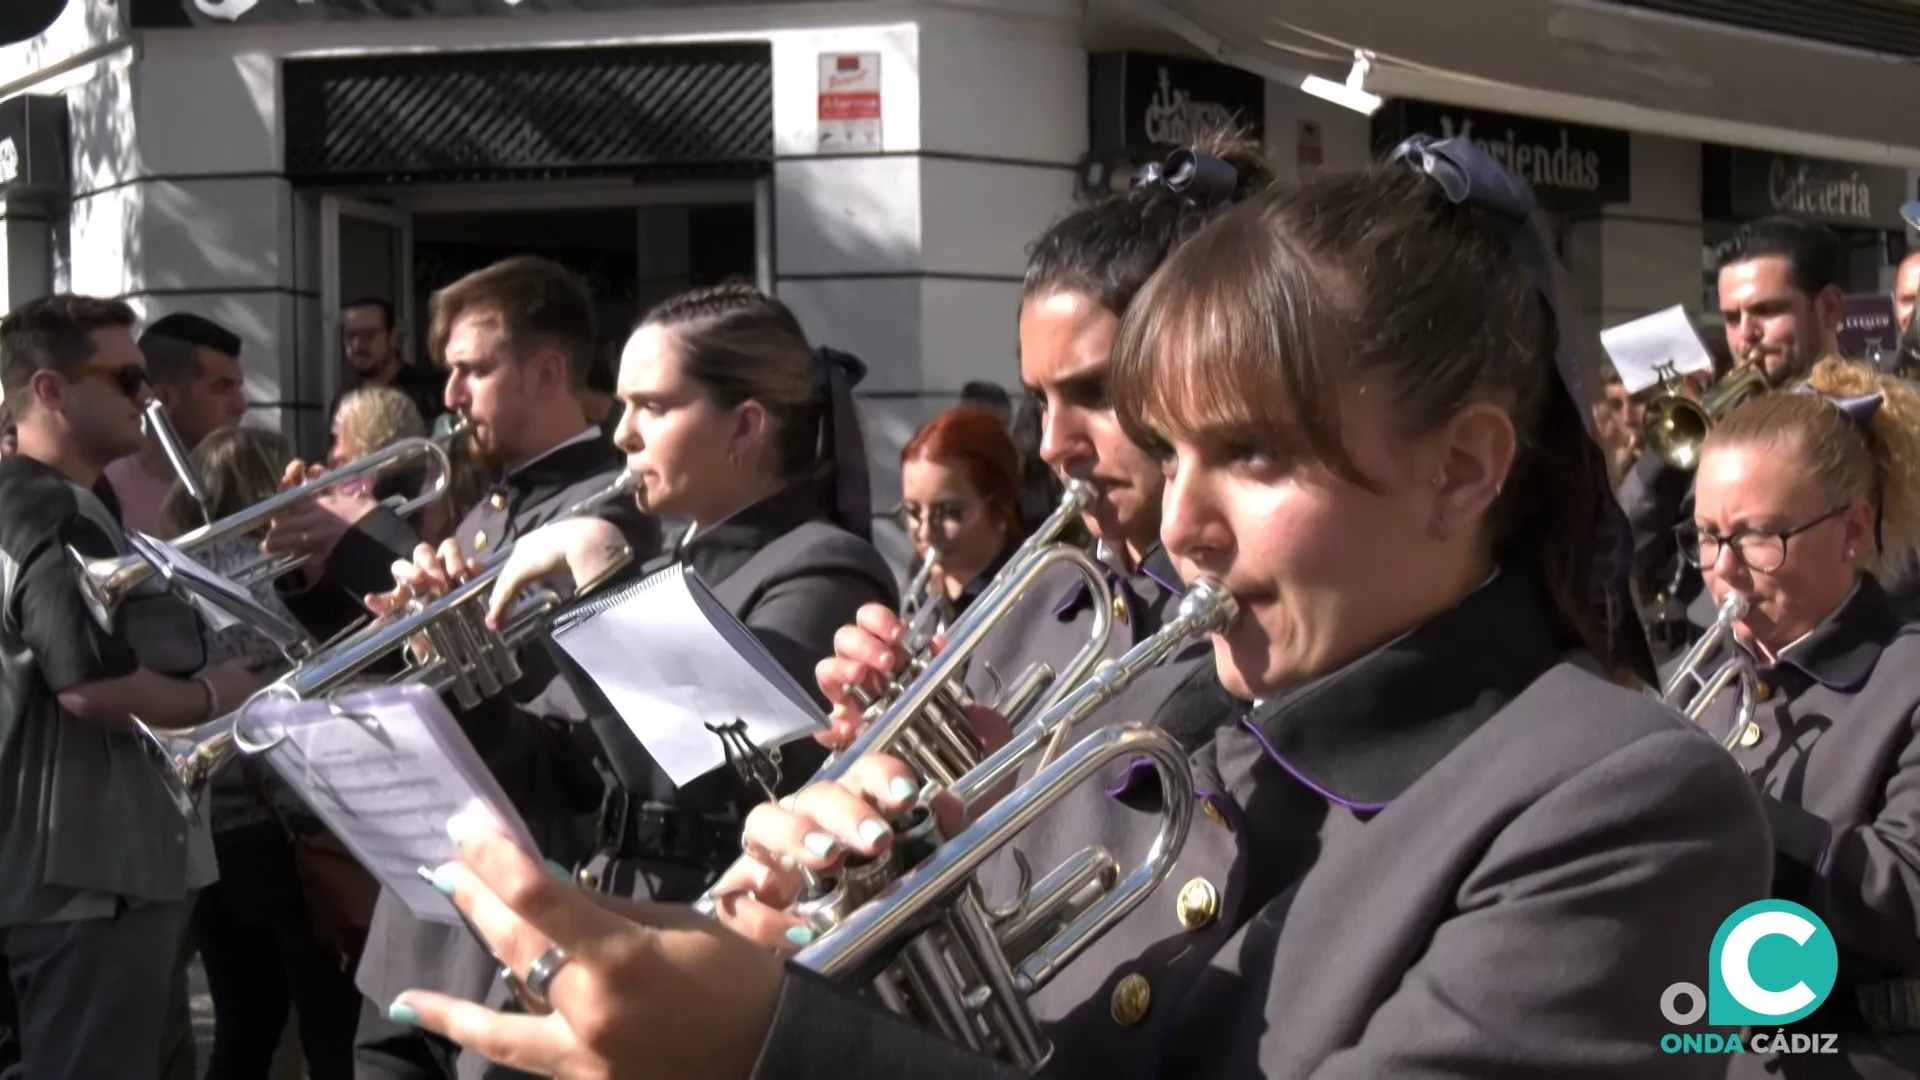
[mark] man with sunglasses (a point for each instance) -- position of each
(96, 868)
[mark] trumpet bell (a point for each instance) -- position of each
(1676, 426)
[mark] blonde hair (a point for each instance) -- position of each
(1878, 463)
(371, 417)
(239, 466)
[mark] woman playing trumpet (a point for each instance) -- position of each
(960, 502)
(1371, 434)
(1808, 505)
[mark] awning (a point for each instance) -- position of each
(1575, 60)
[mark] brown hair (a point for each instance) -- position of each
(538, 303)
(1263, 318)
(1878, 462)
(974, 441)
(739, 344)
(239, 466)
(53, 333)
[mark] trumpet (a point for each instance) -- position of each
(922, 711)
(920, 589)
(463, 657)
(1676, 425)
(928, 943)
(1737, 672)
(105, 583)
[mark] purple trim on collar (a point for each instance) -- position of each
(1165, 585)
(1360, 807)
(1125, 781)
(1826, 849)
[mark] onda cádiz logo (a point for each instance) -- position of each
(1773, 962)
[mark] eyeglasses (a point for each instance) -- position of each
(1762, 550)
(936, 517)
(128, 377)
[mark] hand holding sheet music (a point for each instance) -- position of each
(386, 769)
(672, 659)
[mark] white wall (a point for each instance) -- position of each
(910, 257)
(1346, 137)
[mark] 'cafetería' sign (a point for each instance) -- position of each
(1143, 100)
(1569, 165)
(1739, 184)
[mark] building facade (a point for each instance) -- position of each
(881, 166)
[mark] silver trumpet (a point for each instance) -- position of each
(913, 924)
(107, 582)
(1693, 692)
(460, 655)
(919, 590)
(922, 710)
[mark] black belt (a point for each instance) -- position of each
(1883, 1008)
(632, 829)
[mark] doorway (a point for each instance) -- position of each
(630, 256)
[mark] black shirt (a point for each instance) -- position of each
(40, 517)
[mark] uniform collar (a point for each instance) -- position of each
(1840, 653)
(1362, 735)
(591, 434)
(1154, 579)
(716, 552)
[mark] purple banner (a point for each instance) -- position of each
(1867, 324)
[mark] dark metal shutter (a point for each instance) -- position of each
(1888, 27)
(687, 111)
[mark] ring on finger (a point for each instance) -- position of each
(541, 973)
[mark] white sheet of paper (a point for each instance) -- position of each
(387, 788)
(670, 661)
(188, 566)
(1640, 348)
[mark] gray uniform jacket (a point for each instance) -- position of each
(1832, 749)
(794, 579)
(1462, 855)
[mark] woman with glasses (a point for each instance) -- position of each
(960, 503)
(1808, 504)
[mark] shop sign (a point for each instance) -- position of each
(1143, 101)
(849, 102)
(1569, 165)
(33, 147)
(1761, 184)
(1867, 325)
(176, 13)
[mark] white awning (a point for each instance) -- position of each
(1573, 60)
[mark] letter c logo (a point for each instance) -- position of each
(1772, 962)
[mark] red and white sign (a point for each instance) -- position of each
(849, 102)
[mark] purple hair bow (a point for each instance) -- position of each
(1861, 409)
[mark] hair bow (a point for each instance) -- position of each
(1194, 175)
(848, 493)
(1469, 176)
(1860, 409)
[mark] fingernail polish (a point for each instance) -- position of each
(903, 789)
(559, 871)
(443, 879)
(820, 844)
(403, 1014)
(800, 936)
(871, 832)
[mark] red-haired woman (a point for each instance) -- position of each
(960, 502)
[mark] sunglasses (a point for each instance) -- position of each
(128, 377)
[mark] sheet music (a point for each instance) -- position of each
(385, 771)
(1640, 348)
(171, 562)
(671, 659)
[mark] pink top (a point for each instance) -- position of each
(140, 495)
